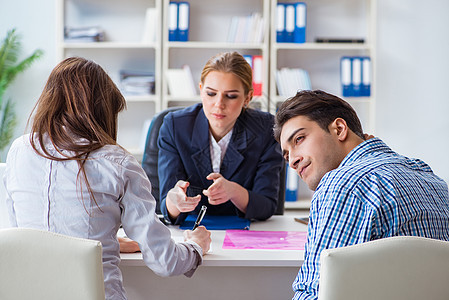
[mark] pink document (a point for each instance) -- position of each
(275, 240)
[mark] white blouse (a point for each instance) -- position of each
(218, 150)
(42, 194)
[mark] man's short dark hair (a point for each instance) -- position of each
(318, 106)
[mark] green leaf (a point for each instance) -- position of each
(9, 69)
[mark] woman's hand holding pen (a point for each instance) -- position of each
(178, 201)
(223, 190)
(201, 236)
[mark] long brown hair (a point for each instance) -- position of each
(79, 102)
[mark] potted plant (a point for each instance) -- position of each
(9, 69)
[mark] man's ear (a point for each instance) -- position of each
(340, 128)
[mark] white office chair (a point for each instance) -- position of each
(392, 268)
(36, 264)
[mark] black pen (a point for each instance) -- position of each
(200, 217)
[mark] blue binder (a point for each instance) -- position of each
(173, 21)
(299, 35)
(183, 21)
(346, 76)
(249, 59)
(289, 22)
(280, 23)
(356, 76)
(366, 77)
(217, 222)
(291, 185)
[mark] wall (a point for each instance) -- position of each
(411, 79)
(35, 21)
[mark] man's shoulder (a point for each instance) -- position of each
(348, 177)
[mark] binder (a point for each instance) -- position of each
(345, 76)
(291, 185)
(299, 35)
(280, 23)
(217, 222)
(257, 75)
(249, 59)
(233, 29)
(183, 21)
(150, 29)
(366, 77)
(289, 23)
(356, 76)
(173, 22)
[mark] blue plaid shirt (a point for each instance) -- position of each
(374, 193)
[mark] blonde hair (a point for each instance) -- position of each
(230, 62)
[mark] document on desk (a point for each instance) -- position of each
(265, 240)
(217, 222)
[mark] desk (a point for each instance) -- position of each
(224, 274)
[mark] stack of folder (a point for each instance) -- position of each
(178, 21)
(290, 81)
(256, 63)
(247, 29)
(355, 76)
(137, 82)
(83, 34)
(180, 82)
(291, 22)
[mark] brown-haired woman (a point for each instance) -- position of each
(70, 176)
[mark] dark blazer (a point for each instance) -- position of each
(253, 159)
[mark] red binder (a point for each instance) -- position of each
(257, 74)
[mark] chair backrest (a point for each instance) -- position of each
(150, 161)
(281, 194)
(396, 268)
(4, 218)
(37, 264)
(150, 155)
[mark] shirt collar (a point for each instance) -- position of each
(363, 149)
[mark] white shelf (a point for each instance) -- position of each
(123, 24)
(184, 99)
(208, 29)
(322, 46)
(141, 98)
(109, 45)
(209, 23)
(215, 45)
(351, 18)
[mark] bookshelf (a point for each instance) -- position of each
(123, 48)
(329, 19)
(209, 27)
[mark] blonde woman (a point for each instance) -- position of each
(220, 153)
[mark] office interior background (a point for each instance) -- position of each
(412, 71)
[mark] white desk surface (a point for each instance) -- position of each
(241, 258)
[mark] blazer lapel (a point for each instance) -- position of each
(200, 147)
(241, 138)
